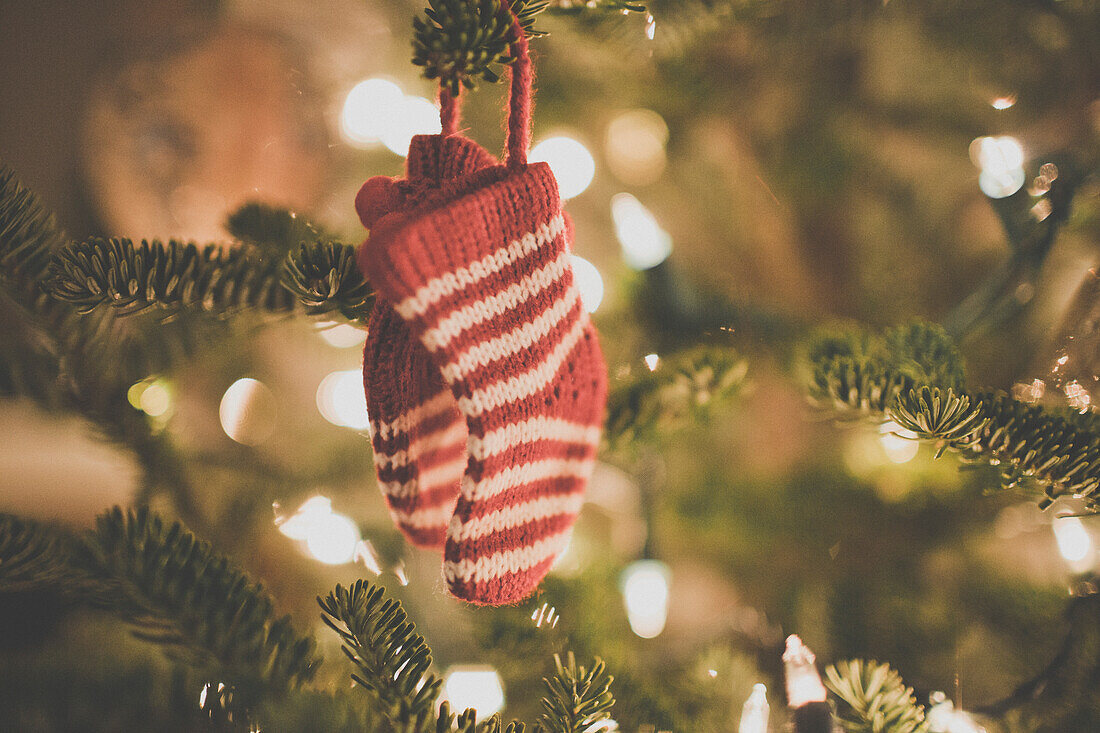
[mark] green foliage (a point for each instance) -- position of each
(392, 665)
(873, 699)
(913, 375)
(28, 233)
(31, 557)
(177, 592)
(684, 387)
(460, 42)
(860, 374)
(391, 659)
(133, 277)
(325, 278)
(579, 698)
(1030, 444)
(271, 227)
(938, 415)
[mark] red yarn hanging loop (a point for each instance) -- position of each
(519, 100)
(450, 110)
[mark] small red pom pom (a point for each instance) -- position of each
(378, 196)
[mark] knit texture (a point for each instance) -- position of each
(485, 380)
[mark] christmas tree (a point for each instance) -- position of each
(838, 257)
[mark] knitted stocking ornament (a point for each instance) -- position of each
(484, 376)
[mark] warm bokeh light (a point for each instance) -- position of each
(644, 243)
(156, 400)
(474, 686)
(754, 714)
(333, 539)
(369, 110)
(635, 146)
(1074, 543)
(341, 335)
(899, 444)
(247, 411)
(645, 588)
(329, 537)
(801, 678)
(152, 396)
(589, 282)
(413, 116)
(573, 165)
(1003, 102)
(342, 401)
(1001, 160)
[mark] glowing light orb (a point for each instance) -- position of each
(1003, 184)
(155, 400)
(570, 161)
(588, 281)
(369, 111)
(330, 537)
(247, 412)
(1074, 543)
(1001, 160)
(645, 589)
(413, 116)
(342, 401)
(341, 335)
(899, 444)
(644, 243)
(474, 686)
(755, 712)
(333, 540)
(651, 361)
(635, 146)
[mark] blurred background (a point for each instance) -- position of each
(808, 161)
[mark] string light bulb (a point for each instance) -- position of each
(944, 718)
(1074, 543)
(754, 714)
(474, 686)
(645, 588)
(341, 335)
(329, 537)
(899, 444)
(342, 401)
(644, 243)
(412, 116)
(247, 411)
(368, 111)
(588, 281)
(806, 693)
(635, 146)
(572, 164)
(1001, 160)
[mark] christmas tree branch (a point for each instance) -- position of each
(578, 697)
(391, 659)
(913, 375)
(392, 664)
(461, 42)
(133, 277)
(680, 389)
(32, 556)
(177, 592)
(271, 227)
(326, 280)
(83, 364)
(873, 699)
